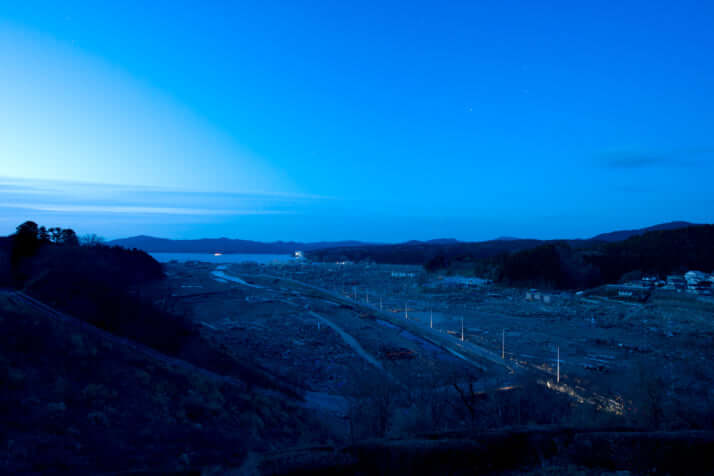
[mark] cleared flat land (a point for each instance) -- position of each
(310, 338)
(348, 334)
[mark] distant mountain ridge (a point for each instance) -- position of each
(364, 249)
(622, 235)
(224, 245)
(420, 252)
(618, 235)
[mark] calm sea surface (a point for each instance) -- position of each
(225, 258)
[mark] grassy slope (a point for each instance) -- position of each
(73, 400)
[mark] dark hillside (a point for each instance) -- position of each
(108, 265)
(622, 235)
(93, 284)
(442, 253)
(553, 265)
(116, 290)
(98, 376)
(5, 261)
(561, 266)
(657, 252)
(76, 402)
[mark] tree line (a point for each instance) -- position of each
(561, 265)
(30, 232)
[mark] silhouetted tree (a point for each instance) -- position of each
(69, 237)
(27, 231)
(43, 235)
(26, 241)
(634, 275)
(436, 263)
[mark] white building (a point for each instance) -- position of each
(695, 277)
(676, 283)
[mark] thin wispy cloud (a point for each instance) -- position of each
(88, 198)
(628, 159)
(638, 162)
(47, 186)
(137, 209)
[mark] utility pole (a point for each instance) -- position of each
(406, 312)
(557, 375)
(503, 344)
(462, 329)
(671, 363)
(431, 319)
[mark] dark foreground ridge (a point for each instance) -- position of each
(111, 380)
(518, 450)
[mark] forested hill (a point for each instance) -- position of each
(657, 252)
(418, 252)
(564, 264)
(559, 265)
(444, 252)
(622, 235)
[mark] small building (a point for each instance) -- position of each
(626, 292)
(695, 277)
(462, 281)
(676, 283)
(704, 288)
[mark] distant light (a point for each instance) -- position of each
(217, 254)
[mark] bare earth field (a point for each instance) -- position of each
(382, 354)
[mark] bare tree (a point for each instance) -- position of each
(91, 240)
(55, 234)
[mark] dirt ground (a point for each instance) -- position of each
(344, 333)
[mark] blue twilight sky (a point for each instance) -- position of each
(381, 121)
